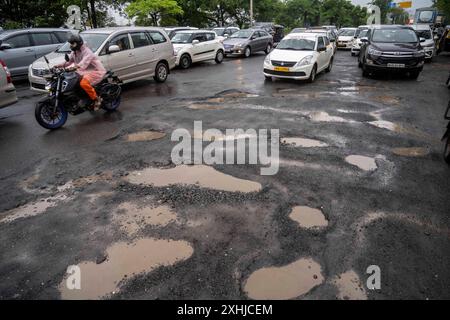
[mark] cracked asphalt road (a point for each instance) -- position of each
(62, 191)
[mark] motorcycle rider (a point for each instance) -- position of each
(86, 64)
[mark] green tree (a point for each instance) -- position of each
(152, 11)
(444, 6)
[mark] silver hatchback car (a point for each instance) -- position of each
(132, 53)
(19, 48)
(248, 41)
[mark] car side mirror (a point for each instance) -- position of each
(321, 49)
(332, 40)
(365, 40)
(114, 48)
(194, 42)
(5, 46)
(66, 57)
(422, 39)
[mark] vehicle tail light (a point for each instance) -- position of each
(8, 74)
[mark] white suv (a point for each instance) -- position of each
(299, 56)
(197, 45)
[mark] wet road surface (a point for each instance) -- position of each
(361, 182)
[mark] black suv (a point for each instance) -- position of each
(392, 48)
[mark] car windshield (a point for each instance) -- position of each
(219, 31)
(394, 36)
(243, 34)
(181, 37)
(363, 33)
(92, 40)
(425, 17)
(347, 33)
(297, 44)
(426, 34)
(297, 30)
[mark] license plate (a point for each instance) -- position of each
(282, 69)
(396, 65)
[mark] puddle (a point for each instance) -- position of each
(201, 175)
(308, 217)
(81, 182)
(237, 94)
(410, 152)
(303, 142)
(387, 99)
(124, 261)
(362, 162)
(131, 218)
(216, 100)
(199, 106)
(280, 283)
(349, 286)
(32, 209)
(27, 184)
(400, 129)
(92, 198)
(145, 136)
(321, 116)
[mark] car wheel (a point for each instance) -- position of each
(185, 61)
(330, 66)
(353, 54)
(219, 56)
(161, 72)
(247, 52)
(312, 77)
(268, 48)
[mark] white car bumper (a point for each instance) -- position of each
(296, 73)
(344, 44)
(37, 82)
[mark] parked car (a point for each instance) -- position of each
(172, 30)
(424, 31)
(345, 38)
(19, 48)
(328, 33)
(248, 41)
(132, 53)
(197, 45)
(298, 30)
(299, 56)
(356, 43)
(224, 32)
(8, 94)
(392, 48)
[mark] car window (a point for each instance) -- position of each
(122, 41)
(42, 39)
(157, 37)
(210, 36)
(62, 36)
(201, 37)
(327, 41)
(20, 41)
(140, 39)
(320, 42)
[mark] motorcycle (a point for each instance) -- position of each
(66, 96)
(446, 137)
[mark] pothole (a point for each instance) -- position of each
(124, 261)
(32, 209)
(131, 218)
(201, 175)
(321, 116)
(81, 182)
(145, 136)
(201, 106)
(303, 142)
(279, 283)
(389, 100)
(362, 162)
(410, 152)
(349, 286)
(308, 217)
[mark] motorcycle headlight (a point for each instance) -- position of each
(419, 53)
(305, 61)
(374, 52)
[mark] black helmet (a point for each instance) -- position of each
(77, 40)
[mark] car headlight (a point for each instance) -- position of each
(238, 46)
(419, 53)
(305, 61)
(374, 52)
(267, 59)
(48, 86)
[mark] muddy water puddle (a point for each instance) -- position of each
(321, 116)
(106, 176)
(201, 175)
(303, 142)
(349, 286)
(123, 262)
(362, 162)
(144, 136)
(394, 127)
(204, 106)
(308, 217)
(287, 282)
(131, 217)
(411, 152)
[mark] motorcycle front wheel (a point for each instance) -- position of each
(49, 117)
(110, 94)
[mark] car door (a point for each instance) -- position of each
(145, 53)
(322, 57)
(20, 55)
(211, 45)
(161, 47)
(199, 51)
(44, 43)
(253, 41)
(329, 51)
(122, 63)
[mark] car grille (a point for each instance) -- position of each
(38, 86)
(407, 61)
(228, 46)
(40, 72)
(283, 64)
(397, 54)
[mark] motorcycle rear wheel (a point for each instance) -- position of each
(48, 118)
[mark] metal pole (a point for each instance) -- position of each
(251, 13)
